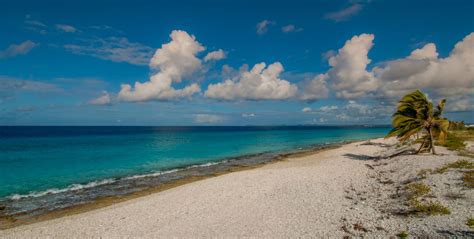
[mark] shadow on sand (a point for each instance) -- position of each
(377, 144)
(386, 155)
(361, 157)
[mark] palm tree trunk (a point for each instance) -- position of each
(421, 146)
(431, 141)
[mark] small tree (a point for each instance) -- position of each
(415, 114)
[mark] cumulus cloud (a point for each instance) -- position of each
(103, 99)
(427, 52)
(260, 83)
(315, 88)
(348, 72)
(422, 69)
(18, 49)
(215, 55)
(207, 119)
(262, 27)
(117, 49)
(444, 77)
(173, 61)
(344, 14)
(306, 109)
(291, 28)
(66, 28)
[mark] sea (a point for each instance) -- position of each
(43, 169)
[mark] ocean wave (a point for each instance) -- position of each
(76, 187)
(73, 187)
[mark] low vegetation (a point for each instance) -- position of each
(402, 234)
(429, 208)
(456, 140)
(460, 164)
(468, 178)
(453, 142)
(470, 222)
(418, 190)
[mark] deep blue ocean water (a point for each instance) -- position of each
(38, 159)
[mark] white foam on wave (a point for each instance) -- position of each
(75, 187)
(151, 174)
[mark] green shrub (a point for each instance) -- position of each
(468, 178)
(460, 164)
(470, 222)
(429, 208)
(417, 189)
(403, 234)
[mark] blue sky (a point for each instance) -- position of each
(326, 62)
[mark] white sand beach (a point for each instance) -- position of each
(333, 193)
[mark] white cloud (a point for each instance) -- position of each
(260, 83)
(66, 28)
(215, 55)
(315, 88)
(444, 77)
(422, 69)
(356, 112)
(291, 28)
(343, 117)
(117, 49)
(344, 14)
(462, 103)
(173, 61)
(18, 49)
(262, 27)
(327, 108)
(427, 52)
(348, 74)
(103, 99)
(306, 109)
(248, 115)
(207, 119)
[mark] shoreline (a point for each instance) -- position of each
(19, 219)
(347, 191)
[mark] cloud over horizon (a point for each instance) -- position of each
(260, 83)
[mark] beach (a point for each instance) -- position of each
(346, 191)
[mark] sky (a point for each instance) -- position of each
(231, 62)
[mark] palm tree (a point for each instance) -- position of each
(415, 114)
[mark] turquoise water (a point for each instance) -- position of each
(38, 159)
